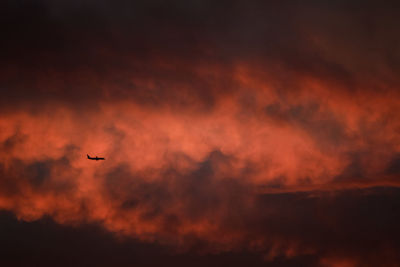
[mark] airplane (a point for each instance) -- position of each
(96, 158)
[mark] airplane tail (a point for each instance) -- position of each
(87, 156)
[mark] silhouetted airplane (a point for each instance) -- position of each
(96, 158)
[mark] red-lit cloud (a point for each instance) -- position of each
(263, 144)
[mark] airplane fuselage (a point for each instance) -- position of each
(95, 158)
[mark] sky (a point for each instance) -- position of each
(235, 133)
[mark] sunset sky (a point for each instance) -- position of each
(236, 133)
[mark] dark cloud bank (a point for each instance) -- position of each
(83, 52)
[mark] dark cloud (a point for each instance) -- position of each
(85, 52)
(12, 142)
(47, 243)
(323, 126)
(394, 166)
(354, 223)
(32, 178)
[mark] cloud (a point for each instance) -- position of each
(226, 127)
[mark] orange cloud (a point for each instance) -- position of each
(219, 135)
